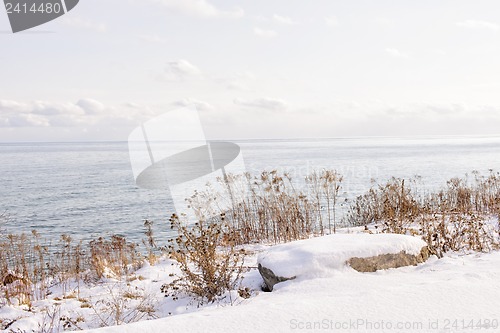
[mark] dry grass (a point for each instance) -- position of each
(114, 258)
(272, 209)
(455, 218)
(29, 266)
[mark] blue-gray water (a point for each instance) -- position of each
(88, 190)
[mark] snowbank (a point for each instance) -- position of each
(433, 297)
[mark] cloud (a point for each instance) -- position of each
(331, 21)
(54, 109)
(198, 8)
(85, 24)
(199, 105)
(283, 19)
(478, 25)
(91, 106)
(24, 120)
(263, 103)
(84, 112)
(442, 111)
(180, 69)
(265, 33)
(395, 53)
(37, 114)
(12, 106)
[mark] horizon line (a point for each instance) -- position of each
(422, 136)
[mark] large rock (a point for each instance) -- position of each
(323, 256)
(389, 260)
(270, 279)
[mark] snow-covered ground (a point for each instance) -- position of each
(440, 295)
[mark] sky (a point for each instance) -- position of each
(255, 69)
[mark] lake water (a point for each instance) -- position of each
(88, 190)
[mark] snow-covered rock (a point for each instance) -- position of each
(321, 257)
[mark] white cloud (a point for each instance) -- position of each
(433, 111)
(331, 21)
(199, 105)
(85, 112)
(283, 19)
(91, 106)
(263, 103)
(395, 53)
(199, 8)
(24, 120)
(477, 25)
(180, 69)
(54, 109)
(80, 23)
(37, 114)
(265, 33)
(13, 106)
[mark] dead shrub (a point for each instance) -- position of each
(209, 262)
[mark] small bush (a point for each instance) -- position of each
(209, 262)
(458, 232)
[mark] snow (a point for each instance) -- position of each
(321, 256)
(425, 298)
(327, 295)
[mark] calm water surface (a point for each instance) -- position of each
(88, 190)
